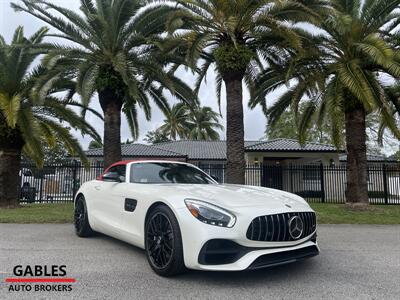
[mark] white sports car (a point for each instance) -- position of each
(184, 219)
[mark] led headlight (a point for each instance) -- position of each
(210, 214)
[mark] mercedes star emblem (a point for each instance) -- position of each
(296, 227)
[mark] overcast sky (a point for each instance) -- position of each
(254, 120)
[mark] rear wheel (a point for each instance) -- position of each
(81, 220)
(164, 242)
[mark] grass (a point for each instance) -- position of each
(327, 214)
(38, 213)
(343, 214)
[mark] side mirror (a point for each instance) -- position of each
(216, 178)
(113, 177)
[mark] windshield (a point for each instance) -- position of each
(167, 173)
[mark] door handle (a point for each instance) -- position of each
(97, 188)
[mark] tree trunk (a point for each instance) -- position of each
(111, 104)
(235, 166)
(10, 163)
(357, 185)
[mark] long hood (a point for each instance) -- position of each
(235, 196)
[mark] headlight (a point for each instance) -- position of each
(210, 214)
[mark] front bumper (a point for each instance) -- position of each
(284, 257)
(215, 248)
(257, 259)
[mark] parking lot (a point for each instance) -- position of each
(356, 262)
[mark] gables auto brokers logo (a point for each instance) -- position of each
(40, 278)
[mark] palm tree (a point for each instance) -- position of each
(156, 137)
(30, 122)
(392, 92)
(195, 123)
(286, 127)
(236, 37)
(176, 124)
(204, 123)
(95, 144)
(115, 51)
(341, 76)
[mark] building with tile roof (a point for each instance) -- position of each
(138, 151)
(277, 151)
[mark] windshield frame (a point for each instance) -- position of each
(209, 178)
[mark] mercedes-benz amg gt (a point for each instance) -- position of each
(184, 218)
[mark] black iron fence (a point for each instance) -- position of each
(55, 183)
(320, 183)
(316, 183)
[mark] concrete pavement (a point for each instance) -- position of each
(356, 262)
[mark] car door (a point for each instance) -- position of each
(110, 202)
(137, 200)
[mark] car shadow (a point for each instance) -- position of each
(275, 274)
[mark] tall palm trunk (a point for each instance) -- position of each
(357, 185)
(235, 167)
(111, 104)
(10, 163)
(396, 103)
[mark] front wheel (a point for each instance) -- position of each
(164, 242)
(81, 219)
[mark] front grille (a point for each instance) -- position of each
(275, 228)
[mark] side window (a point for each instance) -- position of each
(113, 170)
(119, 169)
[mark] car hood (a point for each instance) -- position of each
(234, 196)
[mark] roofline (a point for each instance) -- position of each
(223, 159)
(131, 161)
(258, 143)
(219, 159)
(164, 150)
(292, 140)
(167, 157)
(204, 141)
(297, 151)
(176, 154)
(158, 160)
(144, 156)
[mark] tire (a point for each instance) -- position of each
(81, 219)
(163, 242)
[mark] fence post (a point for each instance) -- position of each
(74, 179)
(385, 185)
(321, 172)
(41, 186)
(291, 178)
(20, 185)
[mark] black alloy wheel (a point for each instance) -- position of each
(81, 220)
(164, 243)
(160, 240)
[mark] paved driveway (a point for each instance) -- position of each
(356, 262)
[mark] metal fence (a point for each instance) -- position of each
(320, 183)
(316, 183)
(55, 183)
